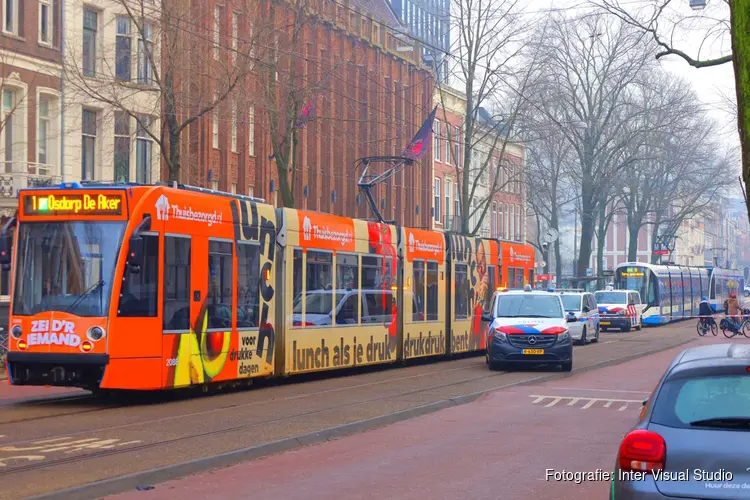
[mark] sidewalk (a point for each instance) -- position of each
(499, 446)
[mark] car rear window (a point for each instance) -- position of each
(682, 401)
(571, 302)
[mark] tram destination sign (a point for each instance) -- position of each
(72, 204)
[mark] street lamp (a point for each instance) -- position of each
(697, 4)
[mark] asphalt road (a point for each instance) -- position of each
(517, 443)
(69, 439)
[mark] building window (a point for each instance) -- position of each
(45, 22)
(519, 223)
(494, 217)
(215, 185)
(436, 193)
(143, 150)
(9, 109)
(42, 140)
(90, 27)
(500, 220)
(215, 123)
(88, 147)
(123, 48)
(10, 18)
(234, 126)
(251, 131)
(448, 191)
(234, 188)
(512, 235)
(122, 146)
(251, 191)
(447, 144)
(457, 202)
(436, 146)
(235, 28)
(457, 137)
(506, 226)
(145, 54)
(217, 33)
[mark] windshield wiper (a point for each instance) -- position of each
(96, 286)
(536, 316)
(726, 422)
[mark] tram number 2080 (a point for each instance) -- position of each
(172, 362)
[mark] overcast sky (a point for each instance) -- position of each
(713, 85)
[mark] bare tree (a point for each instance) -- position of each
(588, 65)
(488, 41)
(720, 21)
(548, 186)
(169, 71)
(13, 101)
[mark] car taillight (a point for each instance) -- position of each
(642, 451)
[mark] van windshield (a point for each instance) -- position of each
(571, 302)
(611, 297)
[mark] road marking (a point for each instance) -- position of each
(594, 390)
(550, 401)
(63, 444)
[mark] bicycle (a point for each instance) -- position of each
(703, 327)
(743, 329)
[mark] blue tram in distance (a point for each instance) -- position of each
(672, 293)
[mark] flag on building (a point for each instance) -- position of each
(419, 143)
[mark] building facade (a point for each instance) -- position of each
(370, 99)
(429, 21)
(505, 217)
(112, 105)
(30, 118)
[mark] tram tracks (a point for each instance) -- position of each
(296, 413)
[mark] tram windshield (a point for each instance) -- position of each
(66, 266)
(632, 278)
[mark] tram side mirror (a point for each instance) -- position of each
(135, 254)
(6, 241)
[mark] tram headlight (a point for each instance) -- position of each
(95, 333)
(16, 331)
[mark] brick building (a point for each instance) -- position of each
(30, 68)
(377, 96)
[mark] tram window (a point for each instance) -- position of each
(347, 288)
(419, 296)
(319, 286)
(372, 273)
(4, 282)
(297, 266)
(432, 291)
(220, 285)
(176, 284)
(248, 285)
(139, 292)
(347, 272)
(461, 292)
(531, 276)
(490, 287)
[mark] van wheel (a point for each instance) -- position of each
(567, 367)
(639, 326)
(497, 367)
(596, 335)
(583, 337)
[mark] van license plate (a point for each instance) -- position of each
(605, 323)
(533, 351)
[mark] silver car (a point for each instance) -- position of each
(692, 440)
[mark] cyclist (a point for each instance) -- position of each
(706, 313)
(733, 312)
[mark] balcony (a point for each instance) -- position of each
(35, 175)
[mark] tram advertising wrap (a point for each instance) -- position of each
(672, 293)
(147, 287)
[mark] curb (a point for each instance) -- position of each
(122, 484)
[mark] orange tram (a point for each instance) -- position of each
(147, 287)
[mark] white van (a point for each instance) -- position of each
(620, 309)
(583, 305)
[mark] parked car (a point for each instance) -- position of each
(693, 435)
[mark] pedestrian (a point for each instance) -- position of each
(733, 310)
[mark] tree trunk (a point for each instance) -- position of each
(602, 239)
(587, 235)
(633, 228)
(740, 27)
(173, 133)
